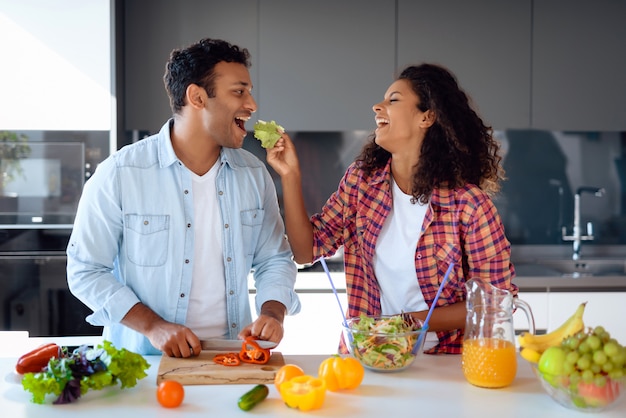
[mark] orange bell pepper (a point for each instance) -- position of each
(341, 373)
(303, 392)
(251, 352)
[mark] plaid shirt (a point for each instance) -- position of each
(461, 226)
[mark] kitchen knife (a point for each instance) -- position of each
(231, 345)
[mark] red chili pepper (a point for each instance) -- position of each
(228, 359)
(251, 352)
(34, 361)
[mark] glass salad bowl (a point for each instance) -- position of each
(385, 343)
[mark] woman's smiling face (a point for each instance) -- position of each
(398, 119)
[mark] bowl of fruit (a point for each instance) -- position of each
(585, 372)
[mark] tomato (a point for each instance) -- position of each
(286, 373)
(170, 393)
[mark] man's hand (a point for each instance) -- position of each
(269, 325)
(174, 340)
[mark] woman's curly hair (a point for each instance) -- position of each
(458, 148)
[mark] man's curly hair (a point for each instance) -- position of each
(458, 148)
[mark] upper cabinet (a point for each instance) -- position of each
(579, 65)
(324, 63)
(321, 65)
(485, 43)
(153, 28)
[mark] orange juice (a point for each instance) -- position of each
(489, 362)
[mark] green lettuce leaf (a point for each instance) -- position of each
(267, 132)
(85, 369)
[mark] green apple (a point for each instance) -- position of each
(551, 365)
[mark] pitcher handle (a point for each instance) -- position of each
(529, 313)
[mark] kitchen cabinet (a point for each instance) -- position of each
(153, 28)
(578, 65)
(486, 44)
(317, 328)
(324, 64)
(603, 308)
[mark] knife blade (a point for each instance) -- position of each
(215, 344)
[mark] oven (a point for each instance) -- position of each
(39, 194)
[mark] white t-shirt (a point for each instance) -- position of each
(394, 258)
(206, 315)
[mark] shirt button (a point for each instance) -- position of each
(188, 225)
(186, 192)
(220, 193)
(419, 256)
(233, 325)
(182, 295)
(226, 226)
(187, 261)
(146, 222)
(228, 259)
(232, 292)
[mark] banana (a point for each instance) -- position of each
(530, 355)
(540, 343)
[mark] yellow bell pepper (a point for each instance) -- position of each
(303, 392)
(341, 373)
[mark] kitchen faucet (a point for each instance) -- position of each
(577, 237)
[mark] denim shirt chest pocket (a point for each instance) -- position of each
(251, 221)
(147, 239)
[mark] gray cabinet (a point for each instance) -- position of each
(320, 66)
(579, 65)
(154, 27)
(485, 43)
(325, 63)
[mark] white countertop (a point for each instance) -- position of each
(433, 386)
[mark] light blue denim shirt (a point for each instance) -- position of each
(133, 239)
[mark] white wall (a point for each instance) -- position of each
(55, 71)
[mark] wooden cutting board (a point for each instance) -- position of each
(201, 370)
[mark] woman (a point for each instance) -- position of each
(416, 199)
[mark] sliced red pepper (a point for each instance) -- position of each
(251, 352)
(228, 359)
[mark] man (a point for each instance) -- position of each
(168, 228)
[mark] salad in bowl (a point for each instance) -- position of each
(385, 343)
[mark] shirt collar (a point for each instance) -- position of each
(167, 156)
(443, 197)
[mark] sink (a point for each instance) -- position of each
(571, 268)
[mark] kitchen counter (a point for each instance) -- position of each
(317, 282)
(433, 386)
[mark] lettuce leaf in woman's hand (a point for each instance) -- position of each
(268, 133)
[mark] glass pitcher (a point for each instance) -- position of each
(489, 356)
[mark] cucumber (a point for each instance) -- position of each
(253, 397)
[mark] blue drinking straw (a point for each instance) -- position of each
(345, 323)
(432, 307)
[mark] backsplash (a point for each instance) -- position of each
(543, 170)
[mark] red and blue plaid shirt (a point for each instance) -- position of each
(462, 226)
